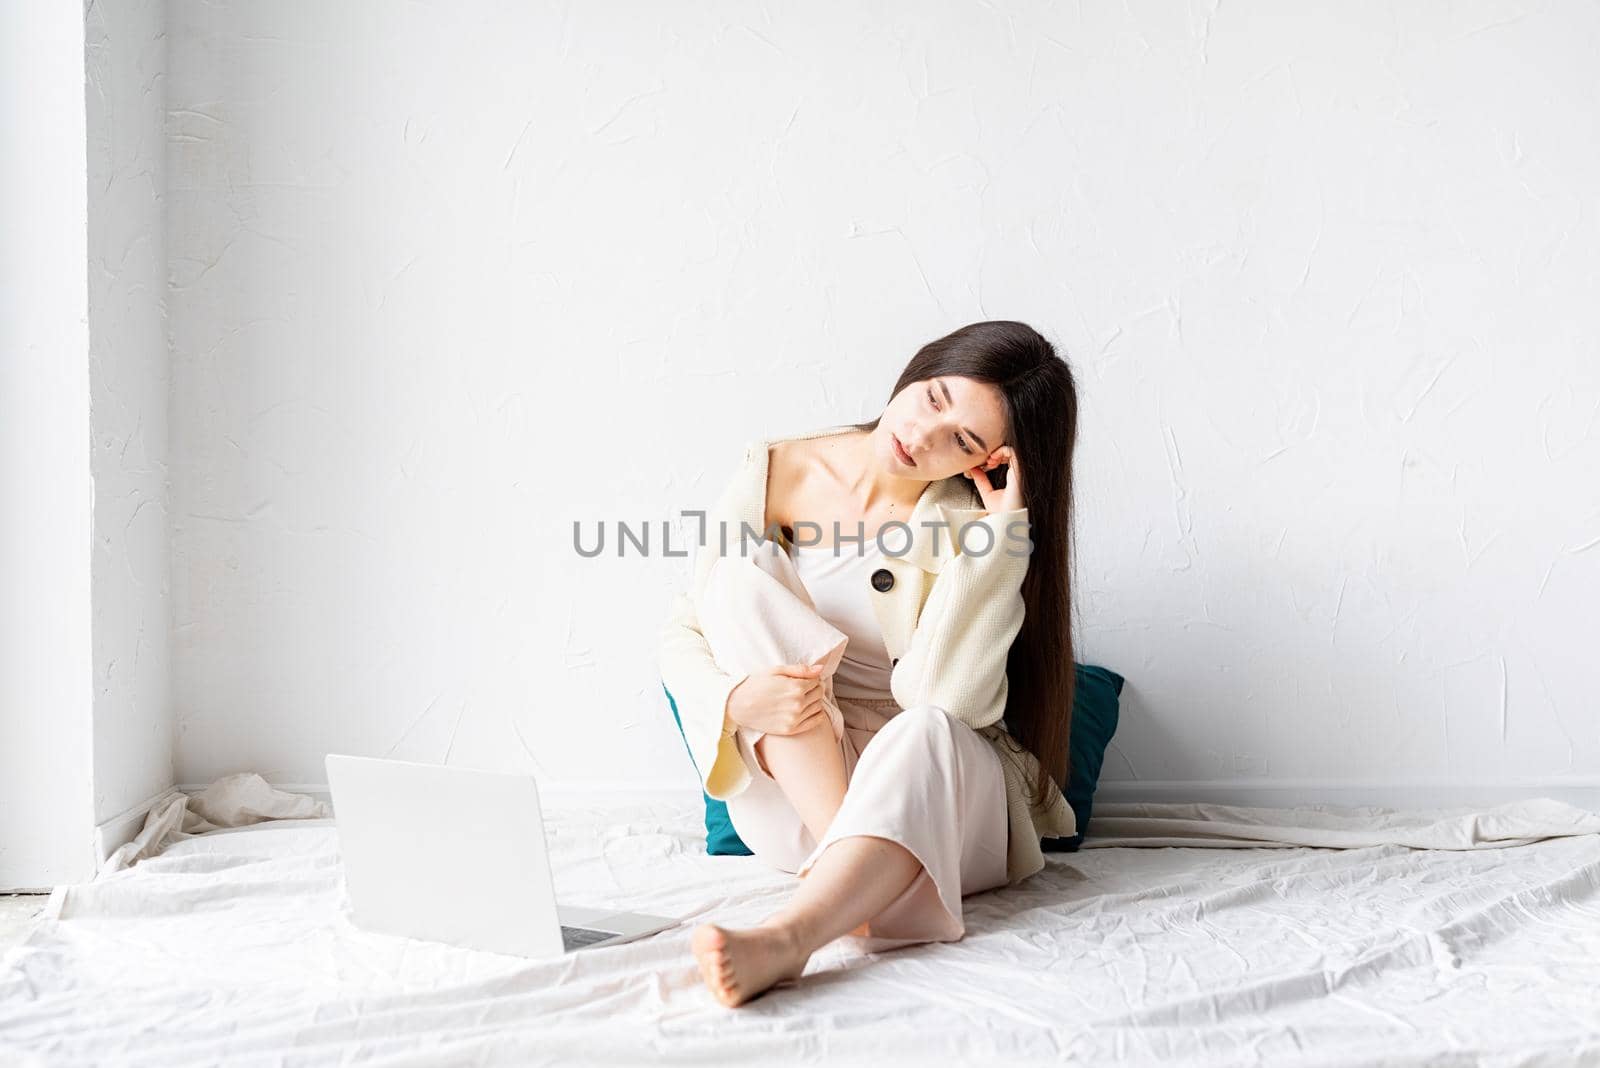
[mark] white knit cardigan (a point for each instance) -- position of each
(948, 623)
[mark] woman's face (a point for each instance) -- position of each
(948, 424)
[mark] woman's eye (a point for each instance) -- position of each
(960, 444)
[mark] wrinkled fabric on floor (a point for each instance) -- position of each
(233, 946)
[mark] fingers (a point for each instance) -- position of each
(806, 719)
(1014, 469)
(1006, 455)
(814, 713)
(800, 671)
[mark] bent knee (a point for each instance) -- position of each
(933, 722)
(925, 716)
(930, 711)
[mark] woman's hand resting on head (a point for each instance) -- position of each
(998, 500)
(781, 700)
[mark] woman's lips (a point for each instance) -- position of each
(900, 451)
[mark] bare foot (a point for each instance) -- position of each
(739, 964)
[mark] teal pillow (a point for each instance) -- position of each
(1094, 721)
(721, 838)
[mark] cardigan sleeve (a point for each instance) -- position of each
(700, 689)
(698, 686)
(957, 655)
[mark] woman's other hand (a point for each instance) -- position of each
(998, 500)
(781, 700)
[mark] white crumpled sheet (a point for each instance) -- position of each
(231, 947)
(232, 801)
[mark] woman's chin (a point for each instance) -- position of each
(913, 474)
(895, 468)
(891, 464)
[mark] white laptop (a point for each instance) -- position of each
(455, 855)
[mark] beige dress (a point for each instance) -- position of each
(918, 777)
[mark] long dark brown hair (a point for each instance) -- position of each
(1041, 413)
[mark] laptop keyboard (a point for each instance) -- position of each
(578, 937)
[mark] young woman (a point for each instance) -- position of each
(969, 622)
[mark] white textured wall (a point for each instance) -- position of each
(46, 496)
(447, 277)
(124, 61)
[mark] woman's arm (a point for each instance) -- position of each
(957, 655)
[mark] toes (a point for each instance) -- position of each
(730, 993)
(715, 950)
(708, 937)
(710, 946)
